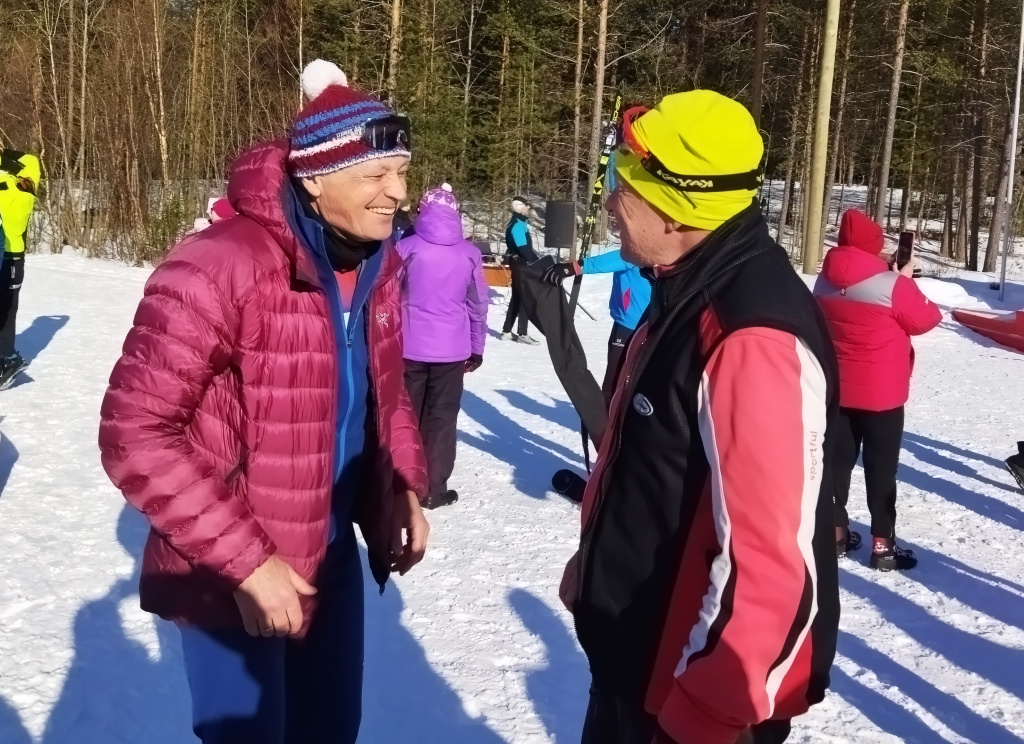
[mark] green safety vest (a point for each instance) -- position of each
(16, 205)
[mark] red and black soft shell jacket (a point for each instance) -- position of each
(708, 587)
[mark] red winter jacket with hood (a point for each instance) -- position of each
(872, 312)
(220, 420)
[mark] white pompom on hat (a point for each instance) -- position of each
(318, 75)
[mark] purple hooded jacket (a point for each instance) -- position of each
(444, 295)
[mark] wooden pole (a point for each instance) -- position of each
(819, 153)
(1008, 229)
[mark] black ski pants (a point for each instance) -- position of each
(612, 720)
(12, 274)
(516, 310)
(436, 393)
(879, 434)
(617, 343)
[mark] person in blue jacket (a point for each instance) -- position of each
(519, 252)
(631, 293)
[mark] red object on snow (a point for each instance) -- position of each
(1003, 328)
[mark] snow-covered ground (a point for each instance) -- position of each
(474, 647)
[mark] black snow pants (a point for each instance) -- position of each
(612, 720)
(12, 274)
(515, 302)
(879, 434)
(436, 393)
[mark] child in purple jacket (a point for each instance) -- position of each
(444, 324)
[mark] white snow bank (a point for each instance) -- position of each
(473, 647)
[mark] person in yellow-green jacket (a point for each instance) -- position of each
(19, 183)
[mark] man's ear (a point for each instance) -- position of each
(671, 226)
(313, 187)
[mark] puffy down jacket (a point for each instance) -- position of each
(220, 420)
(872, 312)
(444, 292)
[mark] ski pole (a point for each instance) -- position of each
(610, 140)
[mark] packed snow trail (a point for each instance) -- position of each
(473, 647)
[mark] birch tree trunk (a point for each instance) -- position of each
(394, 48)
(468, 84)
(925, 202)
(595, 121)
(995, 231)
(577, 105)
(946, 246)
(979, 140)
(908, 189)
(890, 125)
(794, 128)
(963, 222)
(757, 85)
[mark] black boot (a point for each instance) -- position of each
(1015, 465)
(10, 367)
(850, 543)
(891, 557)
(442, 499)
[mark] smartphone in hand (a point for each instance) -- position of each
(905, 249)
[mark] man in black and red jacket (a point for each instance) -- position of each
(705, 589)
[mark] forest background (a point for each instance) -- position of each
(137, 107)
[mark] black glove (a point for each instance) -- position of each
(560, 272)
(474, 362)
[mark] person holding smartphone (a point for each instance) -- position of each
(873, 307)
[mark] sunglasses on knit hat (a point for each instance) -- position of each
(628, 140)
(388, 133)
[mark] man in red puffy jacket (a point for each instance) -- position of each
(872, 311)
(259, 409)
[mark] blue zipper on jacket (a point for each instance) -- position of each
(364, 283)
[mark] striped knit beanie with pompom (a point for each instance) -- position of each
(326, 134)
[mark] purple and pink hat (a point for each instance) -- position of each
(442, 196)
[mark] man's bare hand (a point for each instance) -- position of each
(407, 550)
(567, 589)
(269, 599)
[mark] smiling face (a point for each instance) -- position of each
(360, 201)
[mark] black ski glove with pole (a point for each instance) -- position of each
(560, 272)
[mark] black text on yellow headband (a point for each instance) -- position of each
(749, 181)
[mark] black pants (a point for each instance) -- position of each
(879, 434)
(617, 343)
(12, 274)
(515, 304)
(436, 393)
(612, 720)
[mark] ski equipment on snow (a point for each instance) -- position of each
(10, 368)
(570, 485)
(1015, 464)
(611, 137)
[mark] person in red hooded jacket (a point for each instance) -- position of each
(872, 311)
(259, 409)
